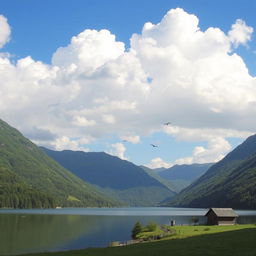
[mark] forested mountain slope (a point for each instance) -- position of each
(183, 175)
(33, 179)
(118, 178)
(228, 183)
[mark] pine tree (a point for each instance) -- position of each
(136, 230)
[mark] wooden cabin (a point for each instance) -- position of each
(221, 216)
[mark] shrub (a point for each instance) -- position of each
(151, 227)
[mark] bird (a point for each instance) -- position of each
(168, 123)
(154, 146)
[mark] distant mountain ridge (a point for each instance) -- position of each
(188, 172)
(154, 174)
(229, 183)
(29, 178)
(117, 178)
(183, 175)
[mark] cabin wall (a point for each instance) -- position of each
(226, 221)
(212, 219)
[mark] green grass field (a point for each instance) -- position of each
(238, 240)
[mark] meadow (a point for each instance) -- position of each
(237, 240)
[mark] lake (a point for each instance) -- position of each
(38, 230)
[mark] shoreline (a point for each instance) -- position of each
(217, 237)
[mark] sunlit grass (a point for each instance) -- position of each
(188, 231)
(238, 240)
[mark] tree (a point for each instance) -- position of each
(136, 230)
(151, 227)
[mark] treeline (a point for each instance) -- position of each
(14, 193)
(18, 196)
(41, 182)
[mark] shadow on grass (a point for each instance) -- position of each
(230, 243)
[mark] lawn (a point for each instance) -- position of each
(188, 231)
(236, 240)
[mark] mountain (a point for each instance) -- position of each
(229, 183)
(15, 193)
(182, 176)
(155, 174)
(31, 179)
(117, 178)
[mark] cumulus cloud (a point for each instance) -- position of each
(240, 33)
(135, 139)
(158, 162)
(64, 142)
(203, 134)
(118, 149)
(173, 71)
(5, 31)
(88, 50)
(216, 150)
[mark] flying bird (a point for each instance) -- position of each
(168, 123)
(154, 146)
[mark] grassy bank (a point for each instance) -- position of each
(189, 231)
(236, 240)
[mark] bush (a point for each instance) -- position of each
(151, 227)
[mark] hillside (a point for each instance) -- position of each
(15, 193)
(117, 178)
(29, 178)
(155, 174)
(228, 183)
(183, 175)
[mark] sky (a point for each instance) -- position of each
(118, 76)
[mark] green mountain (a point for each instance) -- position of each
(15, 193)
(183, 175)
(117, 178)
(155, 174)
(229, 183)
(29, 178)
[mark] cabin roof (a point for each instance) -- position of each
(223, 212)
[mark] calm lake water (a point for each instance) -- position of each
(25, 231)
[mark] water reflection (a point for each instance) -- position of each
(66, 229)
(30, 233)
(37, 233)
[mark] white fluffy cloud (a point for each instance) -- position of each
(118, 149)
(216, 150)
(5, 31)
(173, 71)
(64, 142)
(88, 51)
(203, 134)
(158, 162)
(240, 33)
(131, 138)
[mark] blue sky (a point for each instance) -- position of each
(202, 130)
